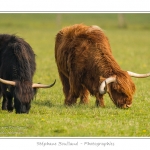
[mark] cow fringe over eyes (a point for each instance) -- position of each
(125, 85)
(24, 91)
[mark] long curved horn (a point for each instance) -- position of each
(7, 82)
(36, 85)
(132, 74)
(102, 89)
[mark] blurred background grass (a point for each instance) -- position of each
(129, 36)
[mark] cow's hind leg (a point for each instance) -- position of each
(74, 91)
(72, 99)
(84, 95)
(99, 100)
(66, 86)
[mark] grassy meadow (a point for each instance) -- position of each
(48, 116)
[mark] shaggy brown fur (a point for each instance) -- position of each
(84, 59)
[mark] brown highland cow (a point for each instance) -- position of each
(86, 66)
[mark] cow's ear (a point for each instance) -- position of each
(116, 86)
(102, 79)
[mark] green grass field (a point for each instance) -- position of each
(48, 116)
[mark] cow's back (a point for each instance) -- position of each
(81, 47)
(17, 59)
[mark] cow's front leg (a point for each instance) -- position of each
(10, 106)
(7, 103)
(99, 100)
(4, 102)
(84, 95)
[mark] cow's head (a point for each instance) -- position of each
(23, 93)
(121, 88)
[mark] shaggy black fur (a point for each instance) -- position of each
(17, 63)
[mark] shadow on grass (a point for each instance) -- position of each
(43, 103)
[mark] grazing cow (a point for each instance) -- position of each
(86, 66)
(17, 67)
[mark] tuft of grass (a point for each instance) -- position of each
(48, 116)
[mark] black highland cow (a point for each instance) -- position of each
(17, 67)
